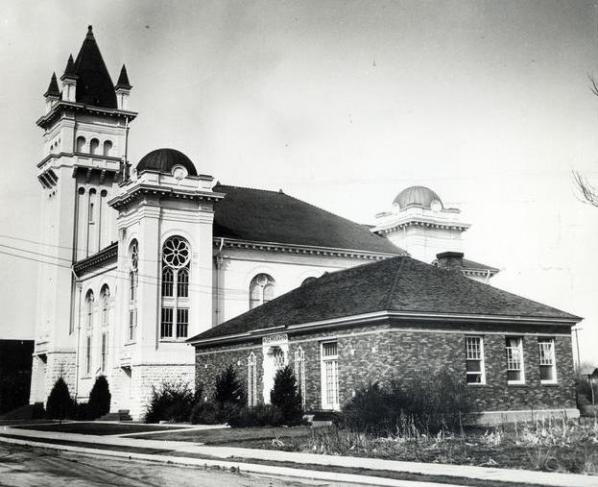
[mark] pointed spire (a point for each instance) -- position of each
(94, 86)
(69, 71)
(123, 80)
(53, 90)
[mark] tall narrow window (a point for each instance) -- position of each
(547, 360)
(107, 148)
(515, 372)
(89, 301)
(104, 352)
(251, 380)
(176, 261)
(133, 283)
(261, 290)
(474, 360)
(300, 373)
(330, 396)
(105, 298)
(80, 144)
(94, 146)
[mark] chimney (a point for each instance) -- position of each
(449, 260)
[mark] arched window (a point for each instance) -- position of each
(174, 317)
(299, 370)
(251, 380)
(89, 299)
(261, 290)
(107, 147)
(80, 144)
(105, 300)
(94, 146)
(133, 282)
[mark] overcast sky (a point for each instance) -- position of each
(342, 104)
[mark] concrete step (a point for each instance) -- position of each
(121, 415)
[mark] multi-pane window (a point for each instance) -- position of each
(176, 259)
(300, 373)
(474, 360)
(515, 372)
(330, 396)
(261, 290)
(105, 297)
(88, 355)
(251, 380)
(547, 360)
(89, 302)
(133, 283)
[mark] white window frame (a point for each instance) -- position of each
(551, 355)
(252, 380)
(300, 373)
(522, 360)
(479, 358)
(175, 293)
(324, 360)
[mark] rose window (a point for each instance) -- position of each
(176, 253)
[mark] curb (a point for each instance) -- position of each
(234, 466)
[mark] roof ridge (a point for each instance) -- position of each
(394, 283)
(253, 189)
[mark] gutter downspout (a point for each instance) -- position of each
(218, 260)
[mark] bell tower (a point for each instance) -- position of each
(84, 160)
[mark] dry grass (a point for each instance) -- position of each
(549, 445)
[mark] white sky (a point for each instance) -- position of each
(342, 104)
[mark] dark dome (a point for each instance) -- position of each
(417, 196)
(163, 160)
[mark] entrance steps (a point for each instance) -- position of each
(120, 416)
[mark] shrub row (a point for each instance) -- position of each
(61, 405)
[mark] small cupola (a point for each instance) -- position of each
(52, 94)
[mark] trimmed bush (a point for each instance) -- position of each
(83, 412)
(286, 397)
(260, 415)
(428, 404)
(205, 413)
(173, 402)
(99, 398)
(228, 388)
(60, 405)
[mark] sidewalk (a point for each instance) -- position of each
(267, 460)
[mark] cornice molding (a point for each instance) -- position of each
(62, 106)
(140, 190)
(420, 223)
(300, 249)
(104, 256)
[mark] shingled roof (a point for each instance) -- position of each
(275, 217)
(399, 284)
(94, 86)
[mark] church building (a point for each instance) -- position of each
(150, 253)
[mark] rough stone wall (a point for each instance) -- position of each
(405, 355)
(38, 380)
(60, 364)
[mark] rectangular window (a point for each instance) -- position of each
(132, 323)
(515, 372)
(133, 286)
(104, 345)
(474, 360)
(182, 322)
(330, 396)
(547, 360)
(251, 381)
(166, 323)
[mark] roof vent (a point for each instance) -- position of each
(449, 260)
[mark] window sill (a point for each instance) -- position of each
(173, 340)
(517, 384)
(130, 342)
(549, 383)
(476, 384)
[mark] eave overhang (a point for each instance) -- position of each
(103, 257)
(386, 316)
(141, 190)
(62, 106)
(232, 243)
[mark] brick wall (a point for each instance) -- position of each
(391, 353)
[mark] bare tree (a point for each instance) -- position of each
(587, 192)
